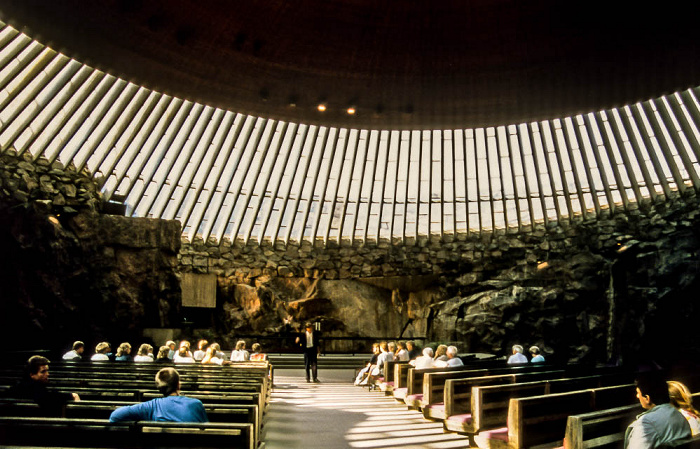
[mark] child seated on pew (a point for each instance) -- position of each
(363, 375)
(257, 353)
(101, 352)
(171, 407)
(240, 354)
(163, 355)
(183, 355)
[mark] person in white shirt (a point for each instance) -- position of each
(144, 354)
(75, 354)
(201, 350)
(424, 361)
(240, 354)
(101, 351)
(183, 355)
(518, 356)
(402, 354)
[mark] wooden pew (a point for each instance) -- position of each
(486, 406)
(432, 402)
(414, 389)
(438, 395)
(100, 433)
(541, 420)
(606, 428)
(388, 383)
(238, 413)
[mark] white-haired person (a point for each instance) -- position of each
(424, 361)
(518, 356)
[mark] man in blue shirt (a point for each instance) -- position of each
(661, 423)
(171, 407)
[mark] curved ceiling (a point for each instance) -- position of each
(401, 65)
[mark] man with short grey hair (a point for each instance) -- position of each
(453, 360)
(518, 356)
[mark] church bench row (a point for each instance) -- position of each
(606, 428)
(541, 420)
(415, 377)
(217, 413)
(100, 433)
(488, 405)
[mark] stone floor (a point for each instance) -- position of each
(337, 414)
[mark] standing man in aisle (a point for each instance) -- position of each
(310, 344)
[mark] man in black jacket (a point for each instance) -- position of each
(310, 344)
(34, 386)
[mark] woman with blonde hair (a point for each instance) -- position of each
(145, 353)
(123, 352)
(441, 354)
(240, 354)
(681, 399)
(101, 351)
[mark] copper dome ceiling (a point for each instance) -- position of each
(400, 64)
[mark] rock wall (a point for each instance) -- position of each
(619, 287)
(69, 272)
(609, 289)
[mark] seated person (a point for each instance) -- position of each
(101, 351)
(413, 350)
(123, 352)
(401, 352)
(452, 359)
(424, 361)
(183, 355)
(240, 354)
(211, 358)
(201, 350)
(682, 399)
(163, 355)
(440, 354)
(145, 353)
(536, 356)
(661, 423)
(75, 354)
(34, 385)
(518, 356)
(171, 353)
(171, 407)
(217, 351)
(386, 355)
(257, 352)
(363, 375)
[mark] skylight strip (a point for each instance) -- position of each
(107, 154)
(314, 206)
(86, 120)
(671, 129)
(159, 165)
(330, 197)
(169, 175)
(248, 180)
(96, 123)
(656, 137)
(54, 115)
(613, 157)
(274, 178)
(349, 175)
(607, 171)
(278, 226)
(288, 214)
(214, 178)
(213, 150)
(587, 165)
(228, 182)
(662, 171)
(544, 187)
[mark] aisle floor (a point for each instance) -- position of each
(336, 414)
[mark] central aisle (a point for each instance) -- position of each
(337, 414)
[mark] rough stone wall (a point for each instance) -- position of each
(620, 286)
(69, 272)
(589, 290)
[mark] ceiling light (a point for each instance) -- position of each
(351, 111)
(321, 107)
